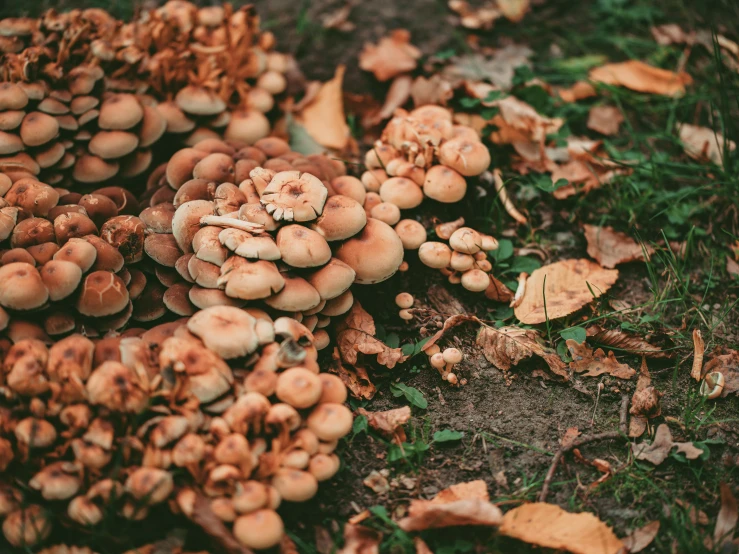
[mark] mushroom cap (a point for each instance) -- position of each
(330, 421)
(466, 240)
(294, 196)
(12, 97)
(162, 248)
(50, 155)
(387, 212)
(295, 485)
(152, 485)
(194, 189)
(103, 293)
(412, 234)
(81, 104)
(402, 192)
(177, 299)
(21, 287)
(120, 112)
(302, 247)
(435, 254)
(333, 389)
(467, 157)
(10, 119)
(38, 128)
(333, 279)
(10, 143)
(34, 230)
(52, 106)
(116, 387)
(73, 225)
(475, 280)
(273, 82)
(181, 165)
(107, 257)
(324, 466)
(199, 101)
(79, 252)
(247, 126)
(27, 526)
(444, 184)
(34, 197)
(375, 254)
(204, 273)
(99, 207)
(273, 147)
(158, 219)
(113, 144)
(260, 529)
(61, 278)
(296, 296)
(299, 387)
(251, 247)
(15, 255)
(342, 217)
(452, 355)
(177, 121)
(149, 306)
(252, 280)
(229, 332)
(216, 167)
(43, 252)
(461, 261)
(126, 233)
(93, 169)
(204, 298)
(347, 185)
(153, 126)
(339, 305)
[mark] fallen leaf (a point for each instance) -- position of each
(498, 69)
(644, 402)
(702, 143)
(339, 19)
(732, 268)
(354, 378)
(391, 56)
(360, 540)
(355, 334)
(641, 77)
(569, 437)
(699, 347)
(728, 365)
(593, 363)
(517, 121)
(324, 118)
(641, 538)
(449, 323)
(421, 546)
(388, 423)
(669, 33)
(507, 346)
(605, 119)
(435, 90)
(550, 526)
(497, 291)
(460, 504)
(500, 479)
(397, 95)
(288, 546)
(621, 340)
(611, 248)
(727, 518)
(657, 451)
(445, 230)
(324, 541)
(585, 171)
(570, 285)
(514, 9)
(578, 91)
(377, 482)
(475, 18)
(502, 190)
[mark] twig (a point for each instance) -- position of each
(585, 439)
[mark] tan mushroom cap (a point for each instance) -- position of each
(38, 128)
(444, 184)
(15, 255)
(79, 252)
(34, 197)
(50, 155)
(27, 526)
(347, 185)
(412, 234)
(126, 233)
(229, 332)
(247, 126)
(162, 248)
(299, 387)
(294, 196)
(216, 167)
(375, 254)
(386, 212)
(467, 157)
(228, 198)
(73, 225)
(177, 299)
(21, 287)
(297, 295)
(10, 143)
(93, 169)
(302, 247)
(52, 106)
(194, 189)
(260, 529)
(295, 485)
(273, 82)
(12, 97)
(113, 144)
(402, 192)
(43, 252)
(257, 213)
(120, 112)
(272, 147)
(466, 240)
(177, 121)
(199, 101)
(181, 165)
(332, 279)
(246, 245)
(149, 306)
(34, 230)
(153, 126)
(103, 293)
(207, 245)
(136, 163)
(108, 258)
(98, 207)
(330, 421)
(10, 119)
(81, 104)
(204, 298)
(342, 217)
(158, 219)
(475, 280)
(339, 305)
(186, 222)
(61, 278)
(253, 280)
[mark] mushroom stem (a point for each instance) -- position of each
(223, 221)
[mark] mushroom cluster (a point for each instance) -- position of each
(227, 404)
(464, 259)
(421, 154)
(86, 96)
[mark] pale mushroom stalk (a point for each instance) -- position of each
(223, 221)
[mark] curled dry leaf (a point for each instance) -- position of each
(323, 117)
(702, 143)
(578, 91)
(460, 504)
(593, 363)
(497, 291)
(657, 451)
(389, 423)
(355, 378)
(570, 285)
(726, 363)
(507, 346)
(498, 69)
(621, 340)
(569, 437)
(727, 518)
(641, 538)
(699, 347)
(641, 77)
(391, 56)
(610, 247)
(502, 191)
(355, 334)
(550, 526)
(397, 95)
(517, 122)
(475, 18)
(644, 402)
(339, 19)
(605, 120)
(359, 539)
(377, 482)
(449, 323)
(435, 90)
(514, 10)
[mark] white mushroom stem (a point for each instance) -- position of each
(223, 221)
(503, 195)
(520, 291)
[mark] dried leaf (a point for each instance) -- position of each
(497, 291)
(593, 363)
(435, 90)
(570, 285)
(728, 365)
(288, 546)
(702, 143)
(461, 504)
(641, 77)
(450, 323)
(578, 91)
(669, 33)
(475, 18)
(610, 247)
(324, 117)
(356, 379)
(391, 56)
(355, 334)
(699, 347)
(517, 122)
(502, 191)
(514, 10)
(644, 402)
(732, 268)
(377, 482)
(497, 69)
(360, 540)
(569, 437)
(657, 451)
(397, 95)
(389, 422)
(507, 346)
(624, 341)
(727, 518)
(550, 526)
(605, 120)
(339, 19)
(641, 538)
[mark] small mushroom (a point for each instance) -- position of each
(227, 331)
(27, 526)
(713, 385)
(150, 485)
(299, 387)
(435, 254)
(260, 529)
(330, 421)
(293, 196)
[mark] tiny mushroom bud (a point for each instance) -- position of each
(412, 234)
(404, 300)
(435, 254)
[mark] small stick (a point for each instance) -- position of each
(585, 439)
(222, 221)
(505, 199)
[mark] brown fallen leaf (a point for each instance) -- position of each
(517, 121)
(497, 291)
(640, 538)
(732, 267)
(669, 33)
(288, 546)
(323, 118)
(696, 516)
(657, 451)
(586, 170)
(445, 229)
(727, 518)
(397, 95)
(593, 363)
(474, 18)
(421, 546)
(435, 90)
(699, 347)
(569, 437)
(641, 77)
(644, 402)
(354, 378)
(502, 191)
(621, 340)
(460, 504)
(449, 323)
(578, 91)
(391, 56)
(702, 143)
(377, 482)
(605, 120)
(610, 247)
(514, 10)
(498, 69)
(725, 362)
(550, 526)
(339, 19)
(389, 422)
(570, 285)
(355, 335)
(507, 346)
(359, 539)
